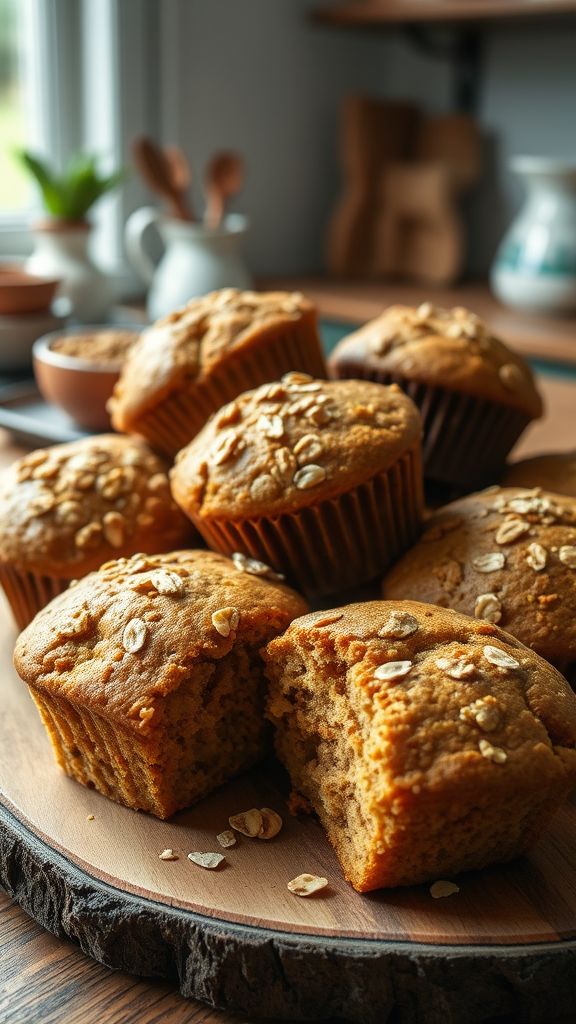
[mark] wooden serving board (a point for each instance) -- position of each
(503, 948)
(237, 938)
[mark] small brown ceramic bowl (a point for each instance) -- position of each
(77, 369)
(21, 292)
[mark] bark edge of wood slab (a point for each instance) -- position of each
(268, 973)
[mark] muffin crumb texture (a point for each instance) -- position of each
(453, 759)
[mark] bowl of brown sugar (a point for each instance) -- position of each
(77, 369)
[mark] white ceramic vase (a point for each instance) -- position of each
(61, 250)
(196, 260)
(535, 266)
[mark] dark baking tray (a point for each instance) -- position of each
(31, 420)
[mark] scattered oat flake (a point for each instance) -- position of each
(511, 376)
(271, 426)
(398, 625)
(207, 860)
(511, 530)
(442, 888)
(567, 555)
(496, 656)
(488, 607)
(393, 670)
(254, 567)
(167, 582)
(537, 557)
(456, 668)
(225, 447)
(485, 716)
(306, 885)
(168, 854)
(328, 619)
(309, 447)
(226, 838)
(491, 753)
(297, 377)
(249, 823)
(90, 817)
(271, 823)
(309, 476)
(226, 620)
(134, 635)
(490, 562)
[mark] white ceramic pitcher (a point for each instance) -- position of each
(196, 260)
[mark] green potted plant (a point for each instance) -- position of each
(61, 248)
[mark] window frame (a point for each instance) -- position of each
(88, 87)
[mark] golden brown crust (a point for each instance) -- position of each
(427, 742)
(449, 348)
(187, 345)
(64, 510)
(121, 639)
(553, 472)
(291, 444)
(505, 554)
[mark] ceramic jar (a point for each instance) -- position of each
(535, 266)
(61, 250)
(196, 259)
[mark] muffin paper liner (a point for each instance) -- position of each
(337, 543)
(173, 423)
(93, 752)
(466, 439)
(28, 592)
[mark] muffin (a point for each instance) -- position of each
(427, 742)
(148, 678)
(553, 472)
(195, 360)
(474, 394)
(321, 480)
(505, 555)
(65, 510)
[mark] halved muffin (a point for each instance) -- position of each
(427, 742)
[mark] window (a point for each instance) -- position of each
(14, 188)
(76, 75)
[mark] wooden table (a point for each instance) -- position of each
(45, 979)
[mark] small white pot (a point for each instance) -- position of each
(61, 250)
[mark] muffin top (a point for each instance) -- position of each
(450, 348)
(187, 344)
(65, 510)
(504, 555)
(291, 444)
(553, 472)
(444, 692)
(122, 639)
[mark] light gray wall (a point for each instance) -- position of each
(256, 76)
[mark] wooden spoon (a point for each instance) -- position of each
(154, 167)
(224, 179)
(181, 175)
